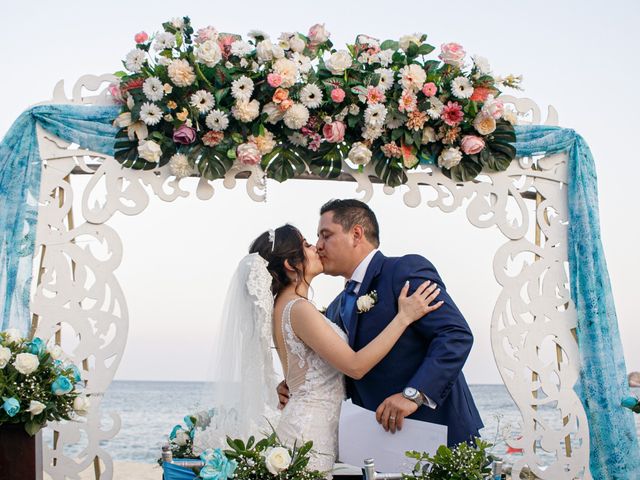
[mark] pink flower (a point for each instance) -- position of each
(184, 135)
(224, 42)
(141, 37)
(480, 94)
(452, 114)
(317, 35)
(248, 153)
(337, 95)
(408, 101)
(207, 33)
(375, 95)
(334, 132)
(429, 89)
(116, 94)
(274, 79)
(471, 144)
(452, 54)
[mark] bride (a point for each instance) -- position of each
(268, 304)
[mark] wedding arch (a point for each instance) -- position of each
(77, 287)
(239, 111)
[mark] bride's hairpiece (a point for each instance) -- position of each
(272, 238)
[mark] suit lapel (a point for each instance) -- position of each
(372, 272)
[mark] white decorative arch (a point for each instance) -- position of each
(77, 286)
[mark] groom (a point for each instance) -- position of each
(421, 377)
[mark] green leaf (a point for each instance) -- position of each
(465, 171)
(389, 45)
(412, 51)
(389, 170)
(213, 164)
(426, 49)
(286, 164)
(328, 161)
(32, 427)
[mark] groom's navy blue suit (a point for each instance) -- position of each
(429, 356)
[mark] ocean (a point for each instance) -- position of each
(149, 410)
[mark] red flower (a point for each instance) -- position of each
(452, 114)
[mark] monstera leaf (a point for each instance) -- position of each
(213, 164)
(328, 160)
(126, 152)
(283, 163)
(389, 170)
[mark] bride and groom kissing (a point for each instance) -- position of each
(392, 341)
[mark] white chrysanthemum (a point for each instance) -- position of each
(386, 78)
(375, 115)
(134, 60)
(153, 89)
(164, 61)
(395, 119)
(181, 73)
(179, 165)
(217, 120)
(435, 109)
(246, 111)
(164, 41)
(298, 139)
(296, 116)
(202, 100)
(461, 87)
(413, 77)
(241, 48)
(303, 62)
(242, 88)
(482, 64)
(371, 133)
(311, 96)
(385, 57)
(150, 113)
(258, 34)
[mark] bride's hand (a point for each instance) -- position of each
(418, 305)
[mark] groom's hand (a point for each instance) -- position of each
(283, 394)
(390, 414)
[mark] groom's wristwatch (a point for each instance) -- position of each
(414, 395)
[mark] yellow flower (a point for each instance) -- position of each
(167, 88)
(171, 104)
(182, 116)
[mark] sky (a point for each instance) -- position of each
(574, 55)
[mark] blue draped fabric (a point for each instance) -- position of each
(614, 446)
(20, 169)
(603, 374)
(175, 472)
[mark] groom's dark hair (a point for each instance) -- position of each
(351, 212)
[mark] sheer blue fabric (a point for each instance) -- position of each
(20, 169)
(603, 384)
(603, 374)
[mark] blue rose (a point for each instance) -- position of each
(11, 406)
(61, 386)
(174, 432)
(77, 377)
(36, 346)
(218, 467)
(629, 402)
(188, 422)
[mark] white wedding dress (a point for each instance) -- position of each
(316, 392)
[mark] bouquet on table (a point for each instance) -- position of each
(201, 101)
(36, 384)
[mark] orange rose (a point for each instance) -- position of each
(280, 95)
(285, 105)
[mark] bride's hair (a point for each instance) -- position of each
(285, 243)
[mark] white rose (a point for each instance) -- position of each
(484, 124)
(274, 115)
(5, 356)
(406, 41)
(449, 157)
(365, 303)
(35, 408)
(182, 438)
(277, 459)
(296, 43)
(339, 62)
(264, 49)
(482, 64)
(26, 363)
(288, 70)
(55, 351)
(359, 154)
(13, 335)
(149, 151)
(296, 116)
(209, 53)
(81, 405)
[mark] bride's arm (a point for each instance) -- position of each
(309, 325)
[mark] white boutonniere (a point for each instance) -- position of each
(366, 302)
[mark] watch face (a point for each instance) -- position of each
(410, 392)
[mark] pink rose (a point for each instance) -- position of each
(452, 53)
(429, 89)
(184, 135)
(141, 37)
(116, 93)
(337, 95)
(248, 153)
(334, 132)
(274, 79)
(317, 35)
(471, 144)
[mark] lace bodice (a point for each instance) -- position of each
(316, 392)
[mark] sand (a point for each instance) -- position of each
(126, 471)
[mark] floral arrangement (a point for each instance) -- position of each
(36, 385)
(203, 100)
(181, 438)
(462, 462)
